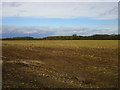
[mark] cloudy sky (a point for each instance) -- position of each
(41, 19)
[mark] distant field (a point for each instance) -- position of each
(60, 63)
(65, 43)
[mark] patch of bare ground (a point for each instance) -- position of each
(49, 67)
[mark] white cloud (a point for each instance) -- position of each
(96, 10)
(40, 31)
(60, 0)
(30, 32)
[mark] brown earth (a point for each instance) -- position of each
(51, 67)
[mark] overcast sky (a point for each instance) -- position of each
(41, 19)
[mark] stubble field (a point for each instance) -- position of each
(60, 63)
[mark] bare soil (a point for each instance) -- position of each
(53, 67)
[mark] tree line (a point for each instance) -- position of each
(73, 37)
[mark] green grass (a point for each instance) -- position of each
(66, 43)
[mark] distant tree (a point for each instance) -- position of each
(74, 35)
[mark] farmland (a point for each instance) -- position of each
(60, 63)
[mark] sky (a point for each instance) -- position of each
(42, 19)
